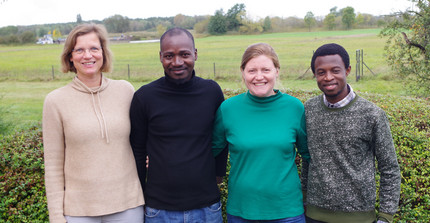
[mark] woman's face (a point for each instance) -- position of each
(260, 76)
(87, 55)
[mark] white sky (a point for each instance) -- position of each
(30, 12)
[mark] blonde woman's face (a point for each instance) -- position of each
(87, 55)
(260, 76)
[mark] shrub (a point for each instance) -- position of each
(22, 189)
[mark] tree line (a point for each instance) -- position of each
(235, 20)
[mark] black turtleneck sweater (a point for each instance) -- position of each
(172, 123)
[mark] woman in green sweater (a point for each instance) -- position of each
(264, 128)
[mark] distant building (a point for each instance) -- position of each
(46, 39)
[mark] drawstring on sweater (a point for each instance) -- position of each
(99, 114)
(100, 117)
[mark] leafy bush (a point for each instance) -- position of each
(22, 188)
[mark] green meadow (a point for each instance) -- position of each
(28, 73)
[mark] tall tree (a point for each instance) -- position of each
(267, 24)
(79, 19)
(117, 24)
(310, 20)
(179, 20)
(408, 46)
(235, 15)
(330, 21)
(217, 23)
(348, 17)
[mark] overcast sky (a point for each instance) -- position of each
(30, 12)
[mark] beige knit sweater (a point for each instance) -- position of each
(89, 165)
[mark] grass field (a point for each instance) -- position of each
(28, 73)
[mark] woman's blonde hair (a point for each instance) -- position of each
(80, 30)
(259, 49)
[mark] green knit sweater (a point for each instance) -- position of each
(344, 144)
(262, 134)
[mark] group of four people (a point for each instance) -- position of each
(98, 134)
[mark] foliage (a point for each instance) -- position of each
(5, 124)
(249, 27)
(348, 17)
(234, 16)
(267, 24)
(27, 37)
(310, 20)
(78, 19)
(408, 46)
(217, 23)
(202, 26)
(330, 21)
(21, 161)
(22, 189)
(117, 24)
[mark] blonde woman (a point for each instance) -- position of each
(90, 173)
(264, 129)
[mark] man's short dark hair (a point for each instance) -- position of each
(330, 49)
(174, 32)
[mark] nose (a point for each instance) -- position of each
(329, 76)
(87, 54)
(177, 61)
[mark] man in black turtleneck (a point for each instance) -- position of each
(171, 123)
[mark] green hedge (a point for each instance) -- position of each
(22, 188)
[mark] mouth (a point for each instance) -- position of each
(260, 84)
(89, 63)
(178, 71)
(330, 86)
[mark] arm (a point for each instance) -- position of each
(138, 136)
(389, 192)
(219, 145)
(302, 148)
(53, 143)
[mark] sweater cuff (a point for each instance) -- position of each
(385, 217)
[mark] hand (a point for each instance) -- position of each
(219, 180)
(147, 162)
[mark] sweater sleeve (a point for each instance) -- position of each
(389, 192)
(302, 147)
(54, 149)
(301, 140)
(219, 141)
(138, 137)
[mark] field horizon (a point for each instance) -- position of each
(28, 73)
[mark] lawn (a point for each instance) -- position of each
(28, 73)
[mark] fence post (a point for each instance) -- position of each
(214, 71)
(357, 65)
(362, 62)
(52, 68)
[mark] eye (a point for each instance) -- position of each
(267, 70)
(186, 54)
(168, 56)
(320, 73)
(79, 51)
(251, 71)
(94, 49)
